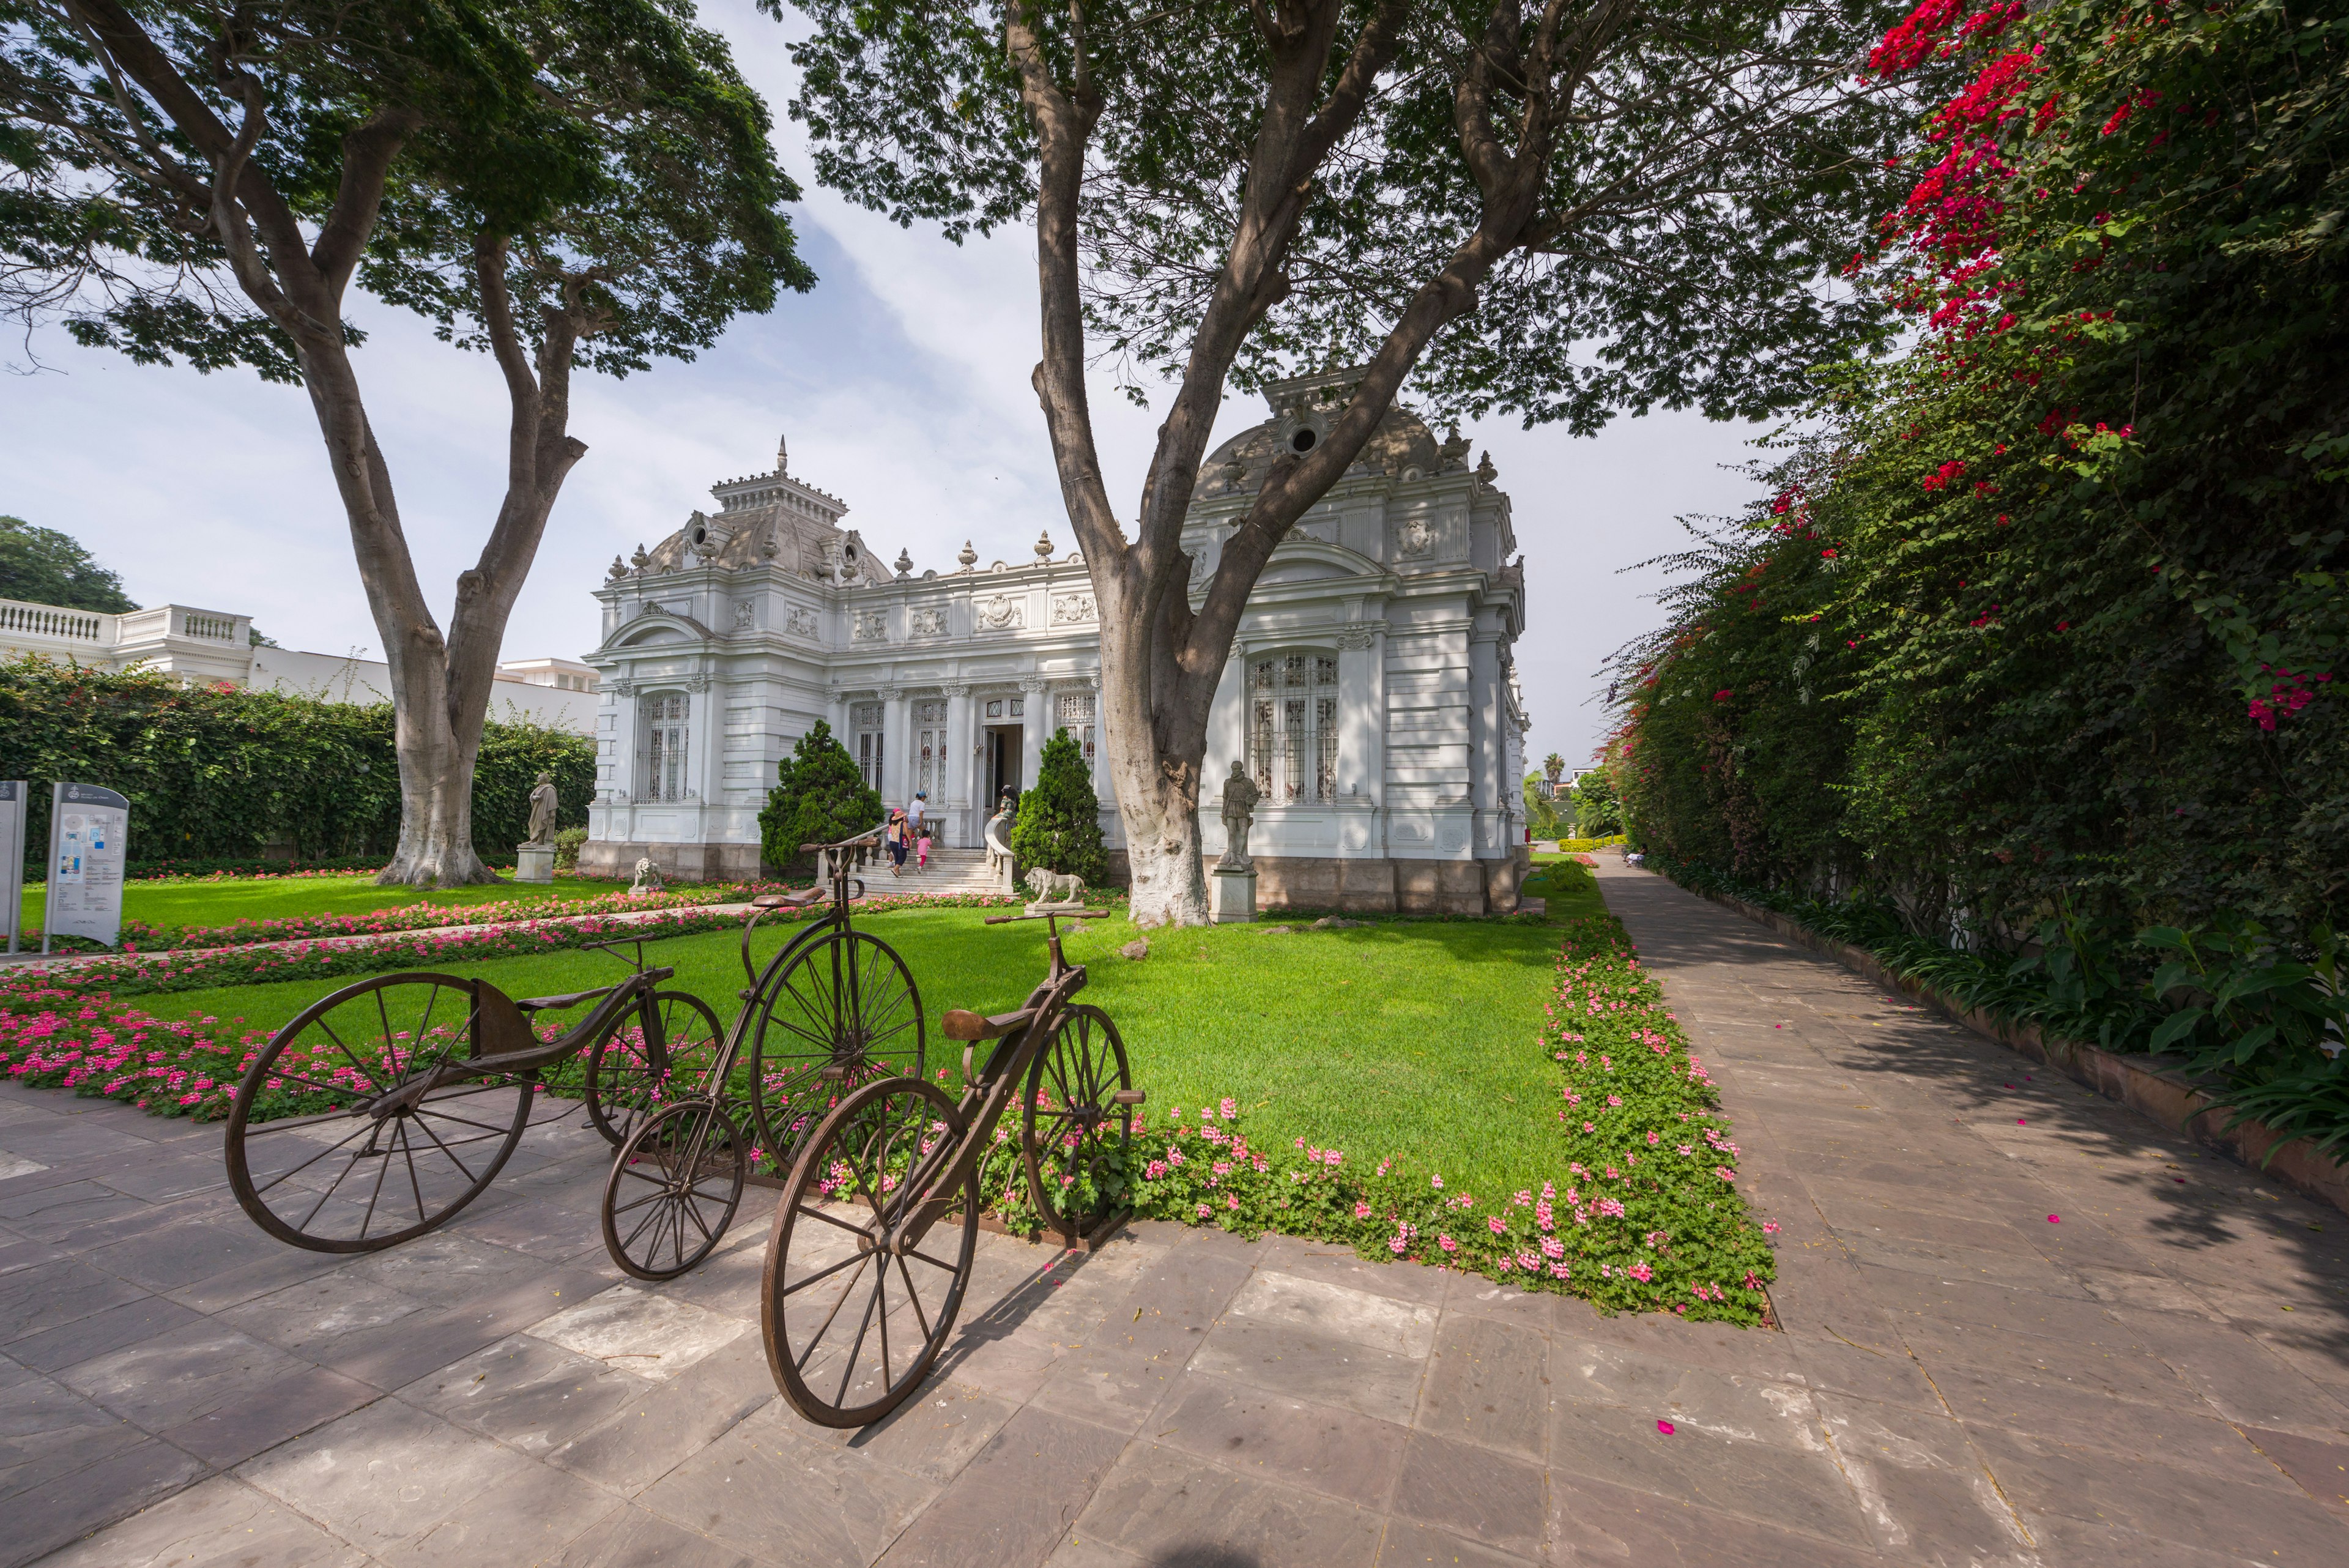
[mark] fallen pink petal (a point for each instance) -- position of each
(1665, 1427)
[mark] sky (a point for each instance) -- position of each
(900, 382)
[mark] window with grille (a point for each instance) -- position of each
(930, 747)
(865, 722)
(665, 746)
(1076, 716)
(1293, 726)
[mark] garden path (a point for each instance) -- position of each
(1957, 1380)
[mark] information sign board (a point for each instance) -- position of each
(90, 831)
(13, 799)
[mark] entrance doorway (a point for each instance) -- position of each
(1004, 744)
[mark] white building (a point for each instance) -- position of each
(1371, 691)
(207, 646)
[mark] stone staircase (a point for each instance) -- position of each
(950, 871)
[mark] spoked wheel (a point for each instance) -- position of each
(843, 1013)
(330, 1145)
(855, 1307)
(1077, 1123)
(674, 1188)
(642, 1063)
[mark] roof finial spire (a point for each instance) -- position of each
(782, 456)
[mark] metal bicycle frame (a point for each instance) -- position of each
(499, 1029)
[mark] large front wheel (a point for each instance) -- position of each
(1077, 1125)
(856, 1305)
(843, 1012)
(330, 1144)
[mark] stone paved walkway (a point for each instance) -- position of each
(1959, 1381)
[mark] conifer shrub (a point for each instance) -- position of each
(820, 797)
(1058, 825)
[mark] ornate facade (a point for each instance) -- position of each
(1371, 691)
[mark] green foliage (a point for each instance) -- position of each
(1543, 818)
(2037, 640)
(820, 797)
(611, 148)
(1059, 825)
(217, 773)
(50, 568)
(1596, 810)
(568, 842)
(1682, 225)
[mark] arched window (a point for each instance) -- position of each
(1293, 726)
(664, 746)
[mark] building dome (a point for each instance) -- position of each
(1303, 409)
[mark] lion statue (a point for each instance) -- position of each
(1054, 890)
(649, 877)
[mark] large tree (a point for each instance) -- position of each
(1558, 208)
(52, 568)
(557, 183)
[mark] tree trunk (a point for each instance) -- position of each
(1154, 769)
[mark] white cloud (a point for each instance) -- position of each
(902, 382)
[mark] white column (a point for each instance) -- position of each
(896, 761)
(953, 772)
(1363, 713)
(1036, 723)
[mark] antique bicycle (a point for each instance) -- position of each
(380, 1111)
(897, 1162)
(383, 1109)
(834, 1009)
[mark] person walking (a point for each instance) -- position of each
(918, 822)
(896, 839)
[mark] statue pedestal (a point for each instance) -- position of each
(1231, 895)
(534, 863)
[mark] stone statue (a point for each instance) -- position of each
(1240, 797)
(999, 835)
(649, 877)
(542, 811)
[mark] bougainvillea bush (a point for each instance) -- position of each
(2037, 639)
(1636, 1208)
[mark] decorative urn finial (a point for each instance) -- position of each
(904, 563)
(1044, 545)
(967, 556)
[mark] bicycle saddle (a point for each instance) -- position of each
(787, 901)
(961, 1024)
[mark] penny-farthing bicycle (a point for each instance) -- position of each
(874, 1240)
(834, 1010)
(387, 1106)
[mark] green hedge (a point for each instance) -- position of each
(217, 774)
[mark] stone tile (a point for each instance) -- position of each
(140, 1318)
(2110, 1371)
(2076, 1543)
(316, 1318)
(766, 1489)
(2169, 1501)
(2321, 1464)
(1169, 1508)
(1016, 1499)
(1886, 1373)
(94, 1491)
(1409, 1544)
(1923, 1490)
(672, 1421)
(446, 1268)
(2235, 1371)
(183, 1254)
(652, 1336)
(1338, 1265)
(528, 1520)
(631, 1538)
(2123, 1427)
(1784, 1486)
(217, 1523)
(58, 1291)
(48, 1434)
(1489, 1384)
(1319, 1447)
(933, 1435)
(536, 1228)
(1084, 1551)
(1472, 1296)
(1308, 1364)
(16, 1253)
(254, 1417)
(526, 1393)
(13, 1166)
(1341, 1311)
(1698, 1399)
(261, 1277)
(1473, 1492)
(386, 1474)
(182, 1376)
(1596, 1524)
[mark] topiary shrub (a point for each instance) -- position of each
(820, 797)
(1059, 827)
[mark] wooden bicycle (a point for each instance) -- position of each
(897, 1163)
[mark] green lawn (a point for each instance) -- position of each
(1416, 1038)
(172, 905)
(1567, 883)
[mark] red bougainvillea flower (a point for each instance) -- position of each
(1723, 694)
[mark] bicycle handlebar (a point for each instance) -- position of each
(1049, 915)
(869, 837)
